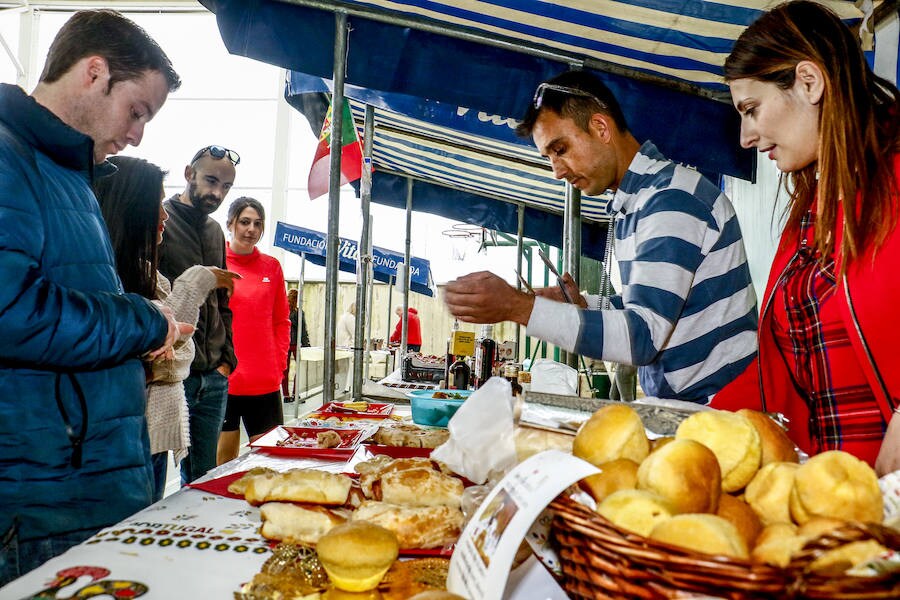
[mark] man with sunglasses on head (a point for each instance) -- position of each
(686, 315)
(194, 238)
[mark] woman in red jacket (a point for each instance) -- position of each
(414, 338)
(828, 355)
(261, 328)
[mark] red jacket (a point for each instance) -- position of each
(414, 338)
(869, 294)
(261, 323)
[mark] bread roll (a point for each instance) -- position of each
(239, 486)
(732, 438)
(776, 543)
(286, 522)
(636, 510)
(357, 554)
(531, 441)
(614, 431)
(418, 487)
(372, 470)
(616, 475)
(299, 485)
(415, 526)
(684, 472)
(818, 526)
(738, 513)
(769, 492)
(660, 442)
(776, 445)
(844, 558)
(837, 485)
(703, 533)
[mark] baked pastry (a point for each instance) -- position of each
(531, 441)
(732, 438)
(684, 472)
(286, 522)
(408, 435)
(418, 487)
(616, 475)
(776, 543)
(738, 513)
(837, 485)
(636, 510)
(614, 431)
(299, 485)
(239, 486)
(844, 558)
(769, 492)
(818, 526)
(328, 439)
(357, 554)
(372, 470)
(415, 526)
(776, 445)
(703, 533)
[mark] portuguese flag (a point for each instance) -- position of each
(351, 155)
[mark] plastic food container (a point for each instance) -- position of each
(428, 410)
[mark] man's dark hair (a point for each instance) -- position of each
(128, 49)
(579, 108)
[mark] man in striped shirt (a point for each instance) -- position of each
(687, 312)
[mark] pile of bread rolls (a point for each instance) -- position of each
(416, 498)
(726, 484)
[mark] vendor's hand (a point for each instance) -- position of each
(888, 459)
(485, 298)
(174, 333)
(555, 292)
(225, 279)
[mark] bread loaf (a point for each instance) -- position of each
(286, 522)
(615, 431)
(616, 475)
(415, 526)
(837, 485)
(418, 487)
(703, 533)
(738, 513)
(299, 485)
(776, 445)
(732, 438)
(636, 510)
(684, 472)
(769, 492)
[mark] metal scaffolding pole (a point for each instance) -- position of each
(334, 203)
(360, 345)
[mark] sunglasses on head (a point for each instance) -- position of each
(543, 88)
(218, 153)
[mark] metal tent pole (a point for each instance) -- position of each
(297, 354)
(520, 247)
(572, 245)
(404, 340)
(334, 203)
(365, 256)
(370, 290)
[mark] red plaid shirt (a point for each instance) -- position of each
(812, 337)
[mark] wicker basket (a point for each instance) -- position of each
(600, 560)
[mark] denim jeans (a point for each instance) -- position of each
(160, 470)
(207, 394)
(18, 557)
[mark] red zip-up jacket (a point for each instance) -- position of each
(869, 296)
(414, 338)
(261, 323)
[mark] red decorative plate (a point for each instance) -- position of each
(302, 441)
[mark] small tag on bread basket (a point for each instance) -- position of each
(890, 491)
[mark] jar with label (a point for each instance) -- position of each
(511, 374)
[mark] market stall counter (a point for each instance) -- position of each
(198, 543)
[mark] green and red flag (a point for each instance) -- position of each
(351, 155)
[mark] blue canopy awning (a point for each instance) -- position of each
(300, 240)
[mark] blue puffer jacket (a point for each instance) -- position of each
(65, 324)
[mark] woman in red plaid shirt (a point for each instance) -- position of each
(828, 350)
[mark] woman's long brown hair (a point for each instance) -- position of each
(859, 123)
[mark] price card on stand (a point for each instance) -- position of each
(484, 554)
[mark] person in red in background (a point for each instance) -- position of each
(414, 338)
(262, 330)
(828, 355)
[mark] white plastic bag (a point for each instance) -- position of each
(481, 433)
(551, 377)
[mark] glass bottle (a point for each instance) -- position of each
(458, 378)
(485, 354)
(449, 357)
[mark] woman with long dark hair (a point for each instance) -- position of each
(827, 350)
(131, 203)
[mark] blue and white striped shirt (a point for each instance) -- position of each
(687, 312)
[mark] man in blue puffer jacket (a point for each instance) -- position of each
(74, 452)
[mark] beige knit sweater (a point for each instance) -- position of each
(167, 411)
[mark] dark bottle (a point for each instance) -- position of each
(449, 357)
(485, 354)
(458, 378)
